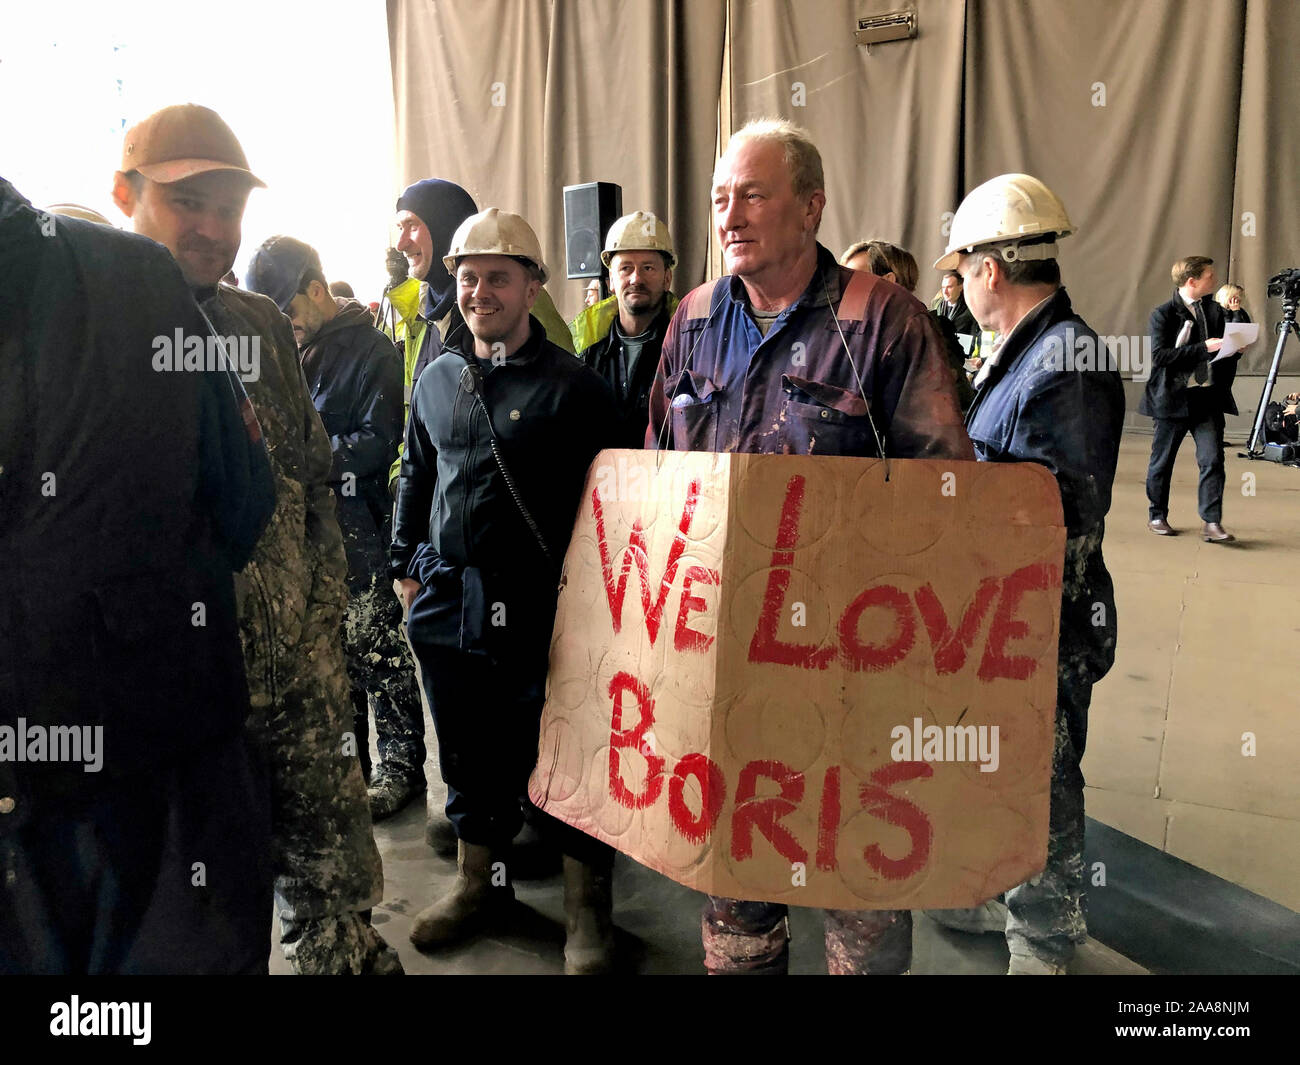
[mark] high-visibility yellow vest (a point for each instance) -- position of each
(595, 322)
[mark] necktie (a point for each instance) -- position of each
(1202, 371)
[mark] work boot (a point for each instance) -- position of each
(390, 792)
(440, 834)
(473, 903)
(588, 919)
(1161, 527)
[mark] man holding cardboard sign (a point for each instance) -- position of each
(1031, 409)
(793, 354)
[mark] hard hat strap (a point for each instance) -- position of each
(1021, 252)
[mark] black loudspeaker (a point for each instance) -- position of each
(589, 211)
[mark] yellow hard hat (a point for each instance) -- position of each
(1007, 210)
(638, 231)
(495, 232)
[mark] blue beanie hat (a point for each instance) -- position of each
(442, 206)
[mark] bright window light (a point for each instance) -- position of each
(306, 88)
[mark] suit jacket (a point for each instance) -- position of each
(1166, 394)
(962, 319)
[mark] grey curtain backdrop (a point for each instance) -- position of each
(1129, 112)
(514, 99)
(1165, 125)
(887, 121)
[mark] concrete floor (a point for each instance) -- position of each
(1207, 652)
(657, 921)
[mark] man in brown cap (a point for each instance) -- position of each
(184, 182)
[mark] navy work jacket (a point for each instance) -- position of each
(1067, 415)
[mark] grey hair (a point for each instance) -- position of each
(1020, 272)
(802, 158)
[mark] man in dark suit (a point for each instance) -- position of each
(1186, 394)
(951, 304)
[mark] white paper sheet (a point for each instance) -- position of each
(1237, 335)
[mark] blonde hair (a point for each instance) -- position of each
(802, 158)
(1226, 293)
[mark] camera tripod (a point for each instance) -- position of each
(1256, 448)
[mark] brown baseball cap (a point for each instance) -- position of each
(181, 141)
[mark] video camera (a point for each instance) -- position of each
(1276, 432)
(1286, 284)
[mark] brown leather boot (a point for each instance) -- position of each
(588, 919)
(480, 896)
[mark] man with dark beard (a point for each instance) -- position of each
(622, 335)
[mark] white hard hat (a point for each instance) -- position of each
(494, 232)
(1007, 210)
(638, 231)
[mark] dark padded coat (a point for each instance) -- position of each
(458, 529)
(354, 375)
(127, 496)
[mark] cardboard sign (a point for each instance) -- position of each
(786, 678)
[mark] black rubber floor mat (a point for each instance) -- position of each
(1173, 917)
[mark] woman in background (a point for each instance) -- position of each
(1229, 297)
(898, 265)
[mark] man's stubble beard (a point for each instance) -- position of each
(646, 312)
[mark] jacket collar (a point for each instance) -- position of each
(350, 314)
(1024, 335)
(1182, 306)
(433, 307)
